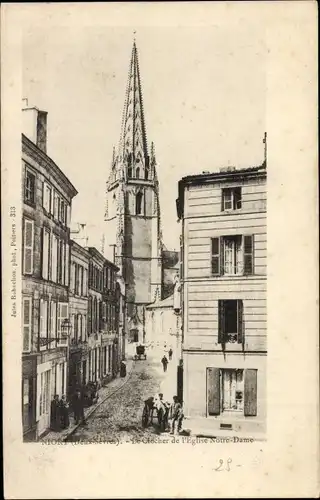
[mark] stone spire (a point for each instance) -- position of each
(133, 142)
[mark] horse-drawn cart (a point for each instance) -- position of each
(140, 352)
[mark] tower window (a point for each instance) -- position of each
(139, 199)
(138, 173)
(146, 173)
(129, 165)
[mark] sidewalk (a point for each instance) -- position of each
(104, 393)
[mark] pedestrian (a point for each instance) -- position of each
(170, 354)
(162, 411)
(175, 416)
(164, 362)
(64, 412)
(78, 407)
(55, 414)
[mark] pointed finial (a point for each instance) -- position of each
(134, 37)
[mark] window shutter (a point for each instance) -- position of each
(45, 253)
(41, 327)
(52, 202)
(90, 315)
(215, 256)
(63, 313)
(248, 254)
(240, 321)
(53, 319)
(250, 393)
(85, 279)
(28, 246)
(221, 322)
(27, 322)
(44, 195)
(66, 275)
(213, 391)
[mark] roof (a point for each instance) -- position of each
(168, 302)
(82, 250)
(95, 253)
(44, 160)
(224, 175)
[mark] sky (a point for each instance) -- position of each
(204, 92)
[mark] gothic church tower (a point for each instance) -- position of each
(132, 216)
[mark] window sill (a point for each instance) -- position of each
(31, 204)
(229, 211)
(236, 276)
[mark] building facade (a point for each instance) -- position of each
(103, 319)
(47, 200)
(78, 312)
(224, 284)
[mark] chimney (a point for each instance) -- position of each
(42, 130)
(35, 126)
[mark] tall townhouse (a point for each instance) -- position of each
(103, 318)
(224, 278)
(47, 199)
(112, 314)
(78, 309)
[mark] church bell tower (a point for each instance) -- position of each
(132, 213)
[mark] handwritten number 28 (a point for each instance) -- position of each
(227, 467)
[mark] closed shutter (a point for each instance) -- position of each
(221, 322)
(52, 202)
(90, 315)
(68, 209)
(45, 253)
(85, 282)
(215, 256)
(53, 258)
(213, 391)
(240, 321)
(250, 393)
(27, 323)
(79, 326)
(67, 263)
(28, 246)
(248, 254)
(63, 313)
(53, 319)
(72, 277)
(46, 197)
(42, 318)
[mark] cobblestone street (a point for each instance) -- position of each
(118, 419)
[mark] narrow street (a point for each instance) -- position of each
(118, 419)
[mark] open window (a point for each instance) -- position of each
(232, 255)
(231, 199)
(230, 328)
(232, 390)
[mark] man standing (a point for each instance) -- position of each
(170, 354)
(78, 407)
(55, 414)
(175, 416)
(164, 362)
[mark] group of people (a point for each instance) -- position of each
(165, 360)
(60, 411)
(170, 416)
